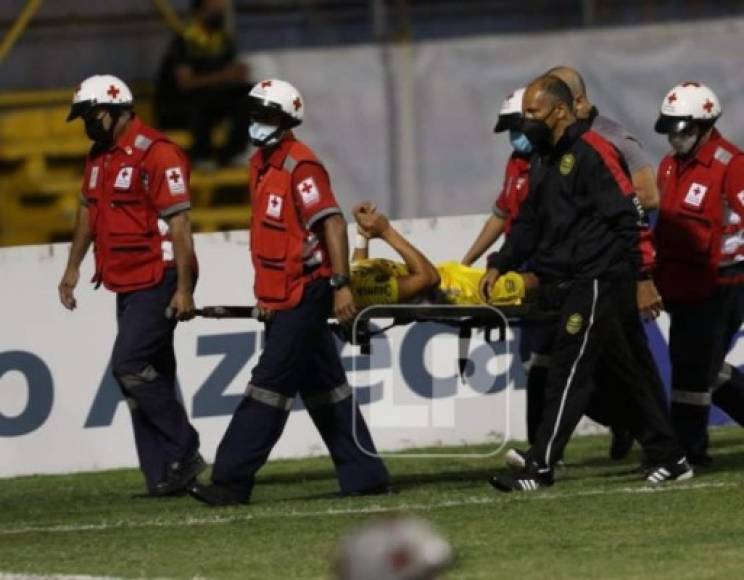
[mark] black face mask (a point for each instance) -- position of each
(538, 133)
(96, 132)
(215, 20)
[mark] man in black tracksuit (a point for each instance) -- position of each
(584, 231)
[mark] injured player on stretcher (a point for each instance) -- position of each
(416, 279)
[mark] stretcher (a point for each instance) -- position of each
(464, 318)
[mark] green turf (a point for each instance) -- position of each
(596, 522)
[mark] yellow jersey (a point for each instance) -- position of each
(375, 281)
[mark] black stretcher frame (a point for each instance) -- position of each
(464, 317)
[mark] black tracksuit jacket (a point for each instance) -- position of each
(581, 218)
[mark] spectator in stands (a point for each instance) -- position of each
(201, 84)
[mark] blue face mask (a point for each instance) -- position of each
(520, 142)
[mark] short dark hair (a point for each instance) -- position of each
(557, 90)
(576, 80)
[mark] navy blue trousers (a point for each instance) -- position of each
(143, 363)
(700, 336)
(299, 357)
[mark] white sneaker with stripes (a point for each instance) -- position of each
(679, 471)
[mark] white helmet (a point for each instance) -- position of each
(276, 96)
(100, 90)
(398, 548)
(686, 104)
(272, 97)
(510, 114)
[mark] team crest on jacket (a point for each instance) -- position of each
(574, 322)
(123, 178)
(176, 184)
(274, 206)
(567, 163)
(696, 195)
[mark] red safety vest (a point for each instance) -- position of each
(123, 222)
(278, 235)
(515, 189)
(692, 222)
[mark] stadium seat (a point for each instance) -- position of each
(41, 162)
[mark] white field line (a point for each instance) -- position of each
(342, 511)
(18, 576)
(12, 576)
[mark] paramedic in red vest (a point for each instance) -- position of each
(134, 209)
(300, 254)
(516, 175)
(700, 240)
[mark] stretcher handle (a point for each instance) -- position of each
(221, 312)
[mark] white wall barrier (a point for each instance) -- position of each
(448, 93)
(60, 410)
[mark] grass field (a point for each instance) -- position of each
(598, 521)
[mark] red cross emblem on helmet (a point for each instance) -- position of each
(275, 95)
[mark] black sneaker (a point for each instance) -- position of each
(383, 489)
(621, 444)
(181, 474)
(678, 471)
(531, 479)
(215, 495)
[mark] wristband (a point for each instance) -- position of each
(361, 242)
